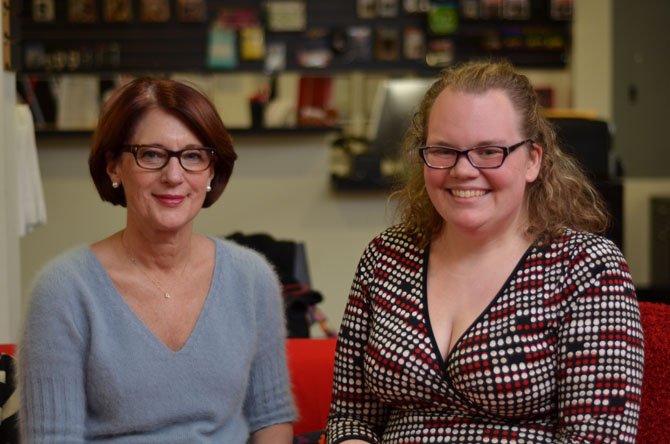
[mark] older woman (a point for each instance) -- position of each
(157, 334)
(492, 313)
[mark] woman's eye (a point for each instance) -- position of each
(194, 156)
(151, 154)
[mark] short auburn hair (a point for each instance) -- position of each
(126, 107)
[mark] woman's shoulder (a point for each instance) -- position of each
(60, 282)
(396, 241)
(398, 236)
(74, 261)
(583, 243)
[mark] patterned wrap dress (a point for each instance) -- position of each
(556, 357)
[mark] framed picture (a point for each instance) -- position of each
(416, 6)
(82, 11)
(387, 44)
(516, 9)
(545, 95)
(285, 16)
(118, 10)
(44, 11)
(360, 43)
(366, 8)
(470, 9)
(387, 8)
(490, 9)
(191, 11)
(155, 10)
(561, 9)
(414, 43)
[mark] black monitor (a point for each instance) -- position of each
(394, 105)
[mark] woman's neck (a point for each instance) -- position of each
(165, 251)
(469, 250)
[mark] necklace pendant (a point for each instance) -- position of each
(167, 295)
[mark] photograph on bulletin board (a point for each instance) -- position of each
(155, 10)
(118, 11)
(82, 11)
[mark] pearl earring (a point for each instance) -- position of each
(115, 184)
(208, 188)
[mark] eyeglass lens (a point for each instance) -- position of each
(484, 156)
(155, 158)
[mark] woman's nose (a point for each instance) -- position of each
(173, 170)
(463, 167)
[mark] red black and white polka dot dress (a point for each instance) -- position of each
(556, 357)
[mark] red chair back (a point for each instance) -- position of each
(310, 363)
(654, 424)
(8, 349)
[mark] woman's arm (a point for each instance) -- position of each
(274, 434)
(51, 362)
(600, 351)
(269, 400)
(356, 415)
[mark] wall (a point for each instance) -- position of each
(593, 80)
(10, 289)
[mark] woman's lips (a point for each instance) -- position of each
(467, 194)
(170, 200)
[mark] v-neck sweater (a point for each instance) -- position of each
(91, 371)
(556, 357)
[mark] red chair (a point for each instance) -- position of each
(654, 424)
(9, 399)
(310, 363)
(8, 349)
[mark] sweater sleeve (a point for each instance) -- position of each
(268, 400)
(51, 362)
(600, 350)
(355, 412)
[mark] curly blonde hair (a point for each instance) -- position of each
(561, 196)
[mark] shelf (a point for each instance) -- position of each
(51, 133)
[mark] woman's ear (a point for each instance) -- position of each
(113, 168)
(534, 162)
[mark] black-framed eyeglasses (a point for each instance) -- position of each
(155, 157)
(485, 156)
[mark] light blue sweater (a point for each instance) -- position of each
(91, 371)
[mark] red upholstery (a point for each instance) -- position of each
(8, 349)
(310, 363)
(654, 425)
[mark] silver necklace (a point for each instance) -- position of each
(166, 294)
